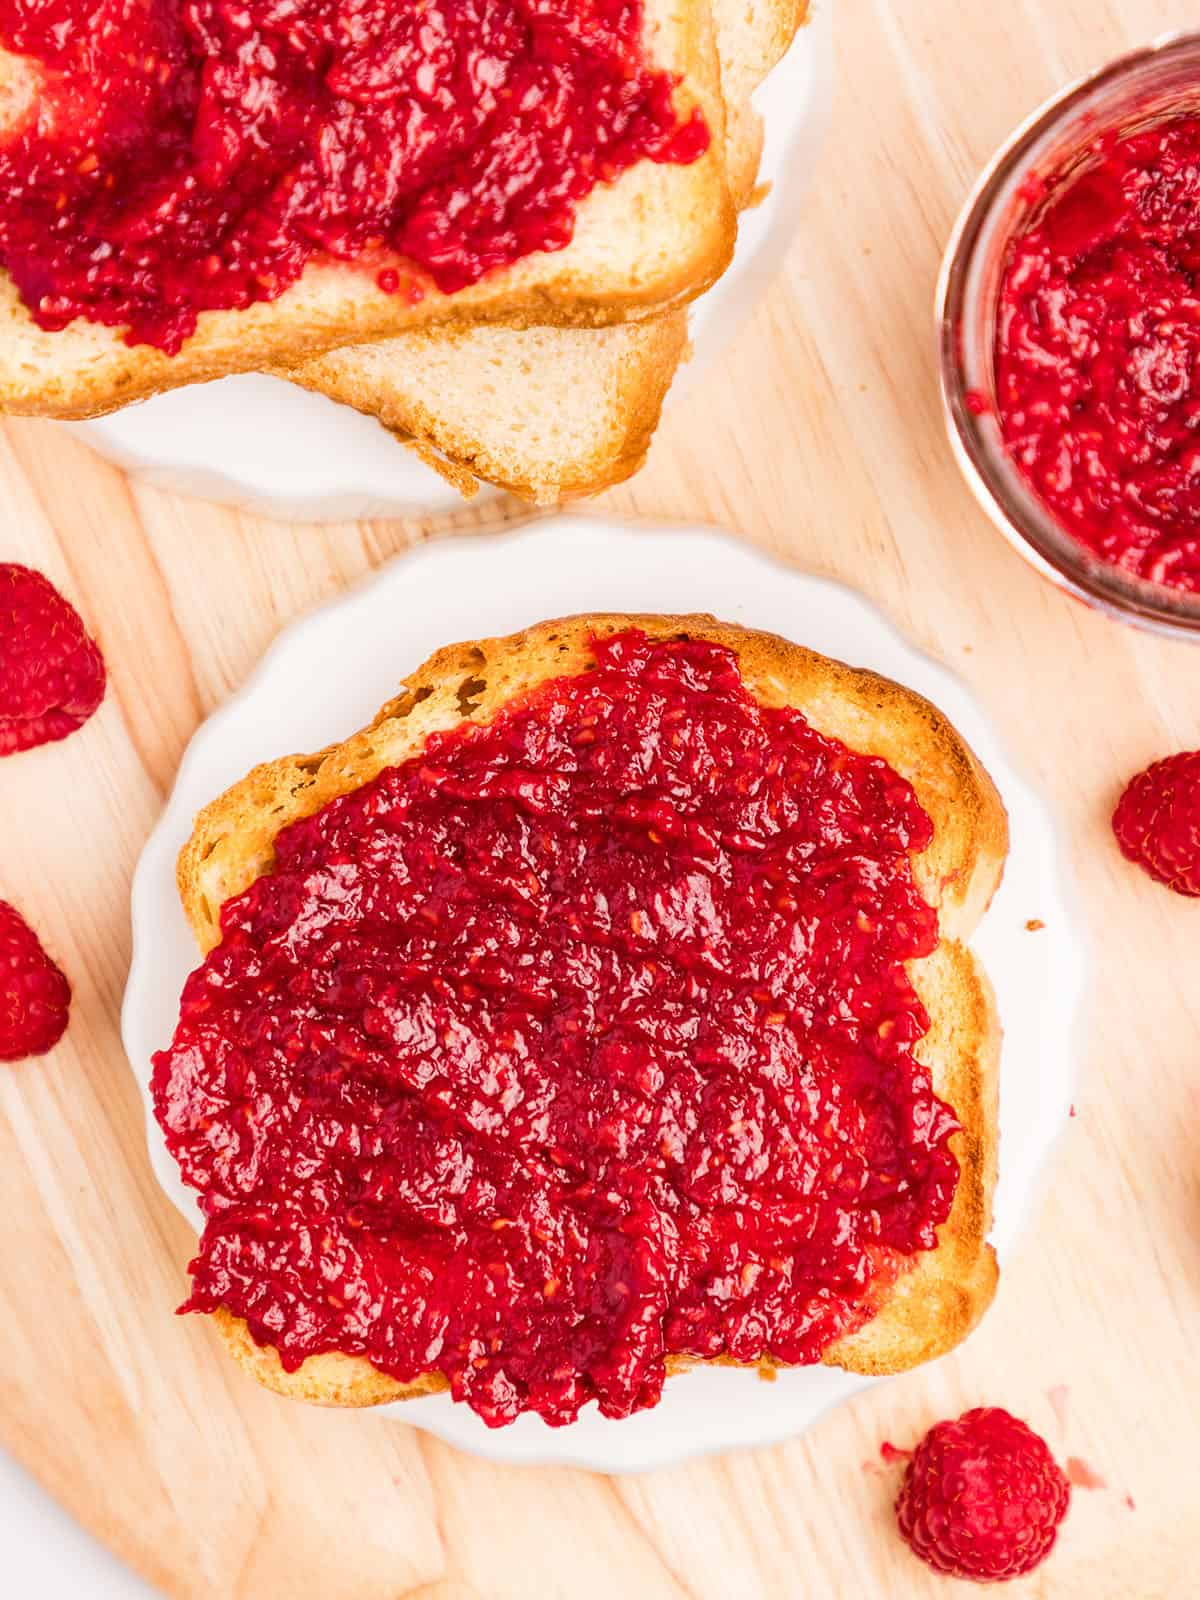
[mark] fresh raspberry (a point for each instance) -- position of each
(51, 673)
(1157, 821)
(35, 997)
(982, 1497)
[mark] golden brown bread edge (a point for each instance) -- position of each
(653, 240)
(941, 1296)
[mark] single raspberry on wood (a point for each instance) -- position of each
(1157, 821)
(35, 997)
(982, 1497)
(51, 673)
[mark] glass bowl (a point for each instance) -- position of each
(1149, 85)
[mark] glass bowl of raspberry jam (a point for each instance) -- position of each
(1069, 326)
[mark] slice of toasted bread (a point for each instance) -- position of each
(546, 413)
(941, 1296)
(554, 414)
(656, 237)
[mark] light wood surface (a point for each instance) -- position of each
(818, 437)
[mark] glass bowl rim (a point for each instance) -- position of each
(1009, 502)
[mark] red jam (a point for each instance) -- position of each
(1098, 353)
(582, 1040)
(186, 155)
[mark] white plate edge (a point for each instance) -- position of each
(951, 694)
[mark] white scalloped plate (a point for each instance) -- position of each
(475, 587)
(265, 446)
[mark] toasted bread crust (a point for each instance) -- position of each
(944, 1292)
(626, 389)
(625, 263)
(935, 1303)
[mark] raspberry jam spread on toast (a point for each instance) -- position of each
(1098, 353)
(582, 1040)
(187, 155)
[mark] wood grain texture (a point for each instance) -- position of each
(817, 437)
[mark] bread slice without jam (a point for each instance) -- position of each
(549, 414)
(944, 1291)
(652, 239)
(553, 414)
